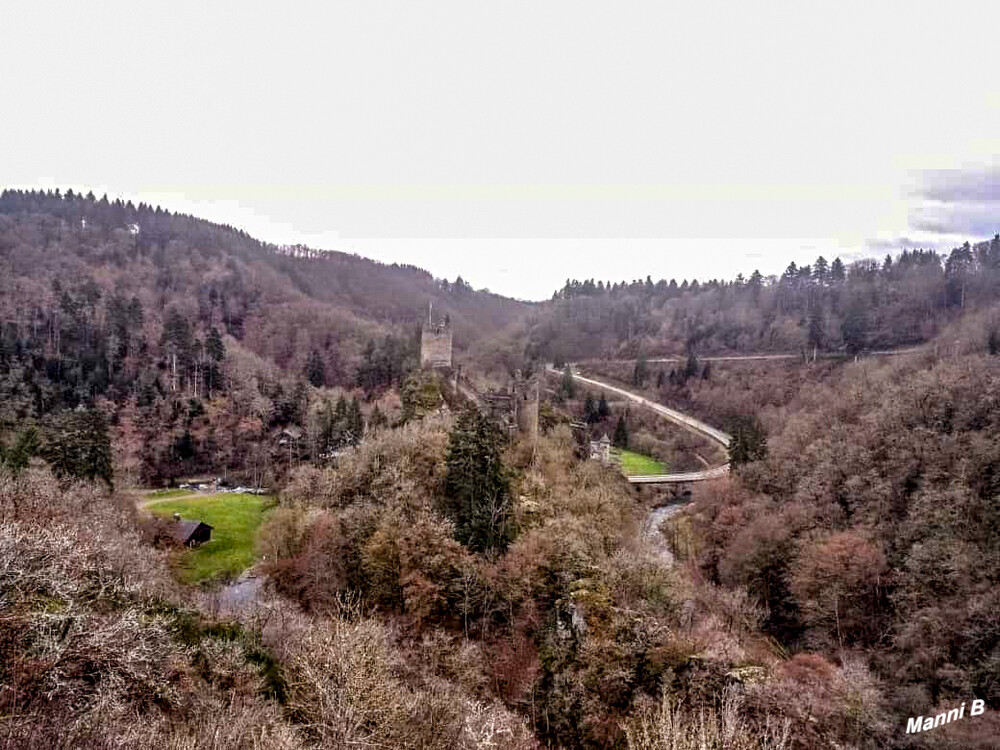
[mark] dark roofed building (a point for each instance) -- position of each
(191, 533)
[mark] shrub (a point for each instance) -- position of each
(343, 683)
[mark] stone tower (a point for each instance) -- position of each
(435, 343)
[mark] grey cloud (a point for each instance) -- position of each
(964, 202)
(977, 185)
(973, 219)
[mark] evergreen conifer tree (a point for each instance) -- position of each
(748, 442)
(837, 271)
(25, 446)
(328, 428)
(621, 437)
(477, 488)
(640, 372)
(377, 419)
(214, 346)
(568, 384)
(355, 422)
(603, 411)
(315, 370)
(691, 367)
(77, 445)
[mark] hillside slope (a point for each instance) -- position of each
(318, 298)
(197, 341)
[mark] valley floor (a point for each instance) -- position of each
(235, 519)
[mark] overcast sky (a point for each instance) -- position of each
(518, 143)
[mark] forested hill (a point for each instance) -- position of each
(193, 328)
(68, 251)
(897, 301)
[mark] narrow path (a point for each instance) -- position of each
(684, 420)
(143, 501)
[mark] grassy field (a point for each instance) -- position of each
(235, 519)
(636, 464)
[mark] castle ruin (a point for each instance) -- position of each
(435, 343)
(515, 407)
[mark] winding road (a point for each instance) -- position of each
(773, 357)
(684, 420)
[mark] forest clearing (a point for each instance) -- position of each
(235, 519)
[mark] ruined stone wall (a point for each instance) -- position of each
(435, 346)
(526, 394)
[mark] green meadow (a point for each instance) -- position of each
(636, 464)
(235, 520)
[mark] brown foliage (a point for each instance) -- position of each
(344, 683)
(405, 464)
(873, 522)
(89, 649)
(838, 584)
(826, 701)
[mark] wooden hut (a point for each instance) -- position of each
(190, 533)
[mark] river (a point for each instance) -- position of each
(241, 594)
(651, 531)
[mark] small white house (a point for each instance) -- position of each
(600, 450)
